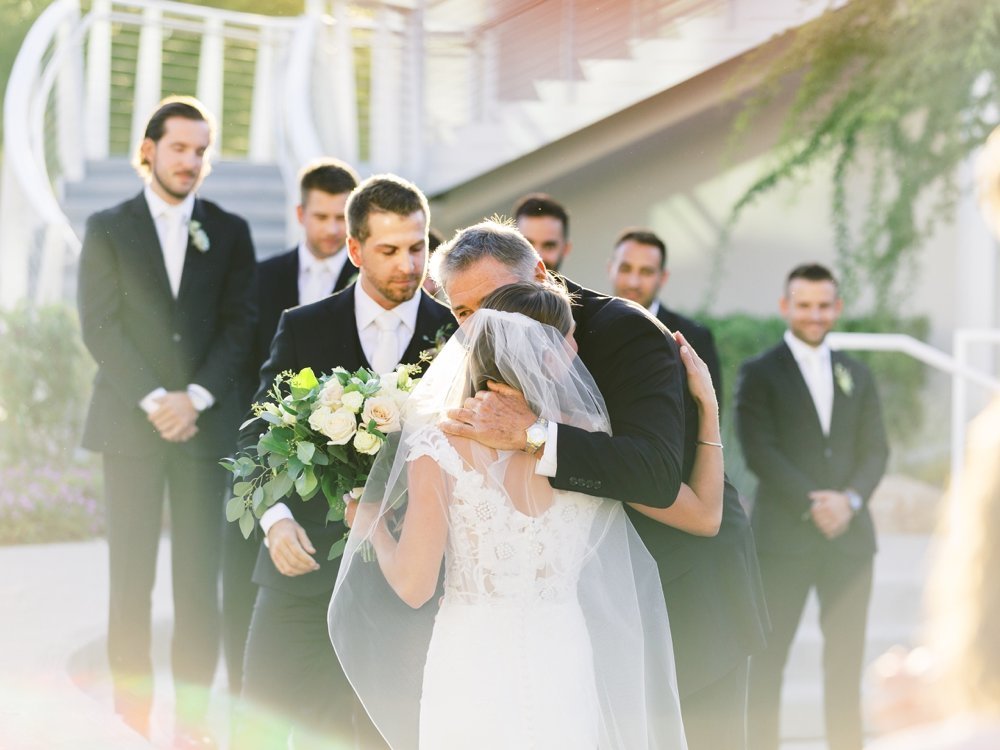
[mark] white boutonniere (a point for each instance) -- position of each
(437, 342)
(198, 237)
(844, 379)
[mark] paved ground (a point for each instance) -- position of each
(54, 688)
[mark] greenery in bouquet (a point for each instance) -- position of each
(322, 436)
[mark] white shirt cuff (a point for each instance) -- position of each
(151, 401)
(277, 512)
(200, 396)
(546, 466)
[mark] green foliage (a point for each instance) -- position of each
(48, 491)
(899, 378)
(898, 92)
(44, 384)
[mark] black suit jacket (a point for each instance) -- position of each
(711, 585)
(142, 338)
(278, 290)
(701, 339)
(785, 447)
(324, 335)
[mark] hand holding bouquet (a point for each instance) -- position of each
(322, 436)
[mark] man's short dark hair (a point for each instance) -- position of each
(644, 237)
(383, 193)
(173, 106)
(329, 175)
(811, 272)
(540, 204)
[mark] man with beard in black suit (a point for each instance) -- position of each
(292, 680)
(166, 309)
(638, 271)
(314, 269)
(811, 428)
(710, 583)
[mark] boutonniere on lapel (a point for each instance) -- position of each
(437, 342)
(198, 237)
(845, 380)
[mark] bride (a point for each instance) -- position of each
(547, 628)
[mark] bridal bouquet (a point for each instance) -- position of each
(322, 436)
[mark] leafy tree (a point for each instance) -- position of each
(898, 92)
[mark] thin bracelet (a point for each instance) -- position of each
(709, 442)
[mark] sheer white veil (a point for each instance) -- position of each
(382, 643)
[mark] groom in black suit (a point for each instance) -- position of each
(710, 584)
(811, 429)
(314, 269)
(166, 309)
(292, 680)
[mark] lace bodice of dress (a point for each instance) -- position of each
(495, 553)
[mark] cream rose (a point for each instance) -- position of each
(365, 442)
(384, 410)
(339, 426)
(331, 394)
(352, 400)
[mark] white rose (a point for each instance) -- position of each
(384, 410)
(288, 418)
(331, 394)
(340, 426)
(365, 442)
(272, 408)
(352, 400)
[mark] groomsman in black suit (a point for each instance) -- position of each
(166, 308)
(811, 429)
(638, 271)
(314, 269)
(544, 222)
(710, 583)
(291, 673)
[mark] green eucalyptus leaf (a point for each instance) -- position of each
(246, 524)
(234, 508)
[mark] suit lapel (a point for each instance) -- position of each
(195, 260)
(842, 402)
(802, 395)
(425, 329)
(146, 242)
(341, 344)
(348, 274)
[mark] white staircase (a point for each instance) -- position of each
(254, 191)
(439, 91)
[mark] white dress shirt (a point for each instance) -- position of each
(365, 311)
(318, 276)
(171, 223)
(817, 370)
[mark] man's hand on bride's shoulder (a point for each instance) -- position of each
(497, 418)
(699, 379)
(290, 548)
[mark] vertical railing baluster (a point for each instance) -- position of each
(148, 71)
(210, 71)
(98, 103)
(262, 108)
(345, 84)
(69, 111)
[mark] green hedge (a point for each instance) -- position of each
(49, 490)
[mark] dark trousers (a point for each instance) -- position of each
(135, 489)
(239, 556)
(293, 683)
(715, 716)
(843, 587)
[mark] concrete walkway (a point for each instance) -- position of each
(55, 690)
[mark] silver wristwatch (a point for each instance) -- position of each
(536, 436)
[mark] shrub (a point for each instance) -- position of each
(50, 503)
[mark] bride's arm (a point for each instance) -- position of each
(698, 507)
(412, 564)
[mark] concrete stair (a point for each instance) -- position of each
(254, 191)
(894, 617)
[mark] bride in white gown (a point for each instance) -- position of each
(547, 628)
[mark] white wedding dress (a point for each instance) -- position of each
(510, 662)
(548, 629)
